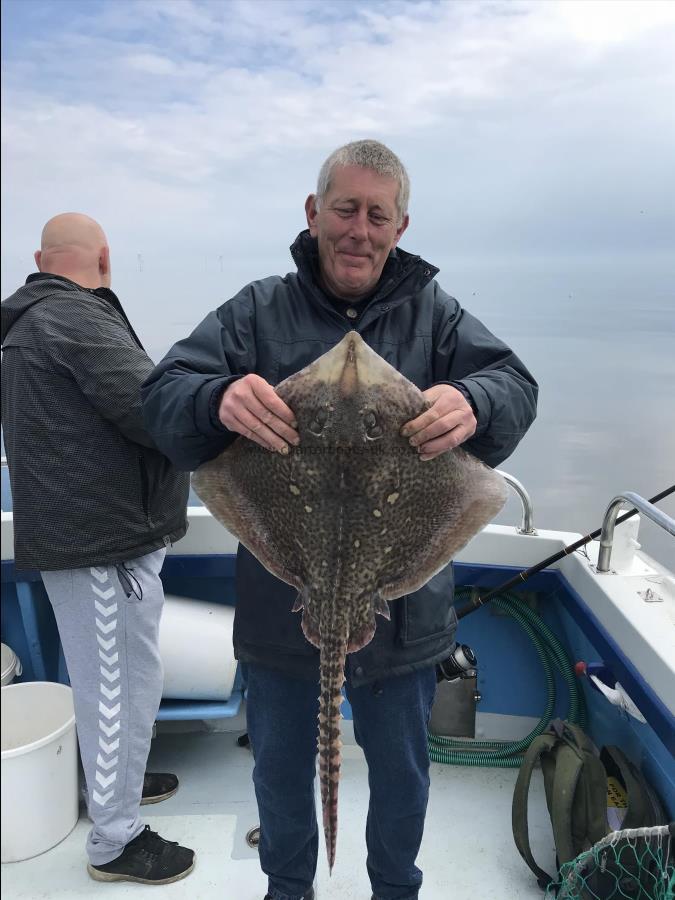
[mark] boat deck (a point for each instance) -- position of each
(467, 852)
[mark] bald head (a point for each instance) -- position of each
(74, 245)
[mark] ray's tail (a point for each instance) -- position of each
(332, 660)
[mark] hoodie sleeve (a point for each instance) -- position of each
(182, 394)
(501, 390)
(91, 344)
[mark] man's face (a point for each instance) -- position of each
(356, 227)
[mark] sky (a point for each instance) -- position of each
(193, 131)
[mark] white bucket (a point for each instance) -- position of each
(39, 768)
(10, 667)
(195, 643)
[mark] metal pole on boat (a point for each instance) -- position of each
(518, 579)
(607, 533)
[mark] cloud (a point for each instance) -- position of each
(601, 22)
(198, 127)
(151, 63)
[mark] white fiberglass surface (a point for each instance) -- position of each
(467, 852)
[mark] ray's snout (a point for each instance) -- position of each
(350, 365)
(349, 378)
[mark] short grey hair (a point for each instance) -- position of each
(368, 154)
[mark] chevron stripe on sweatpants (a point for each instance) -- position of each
(109, 627)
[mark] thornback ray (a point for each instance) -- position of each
(352, 517)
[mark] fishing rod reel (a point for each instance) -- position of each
(461, 664)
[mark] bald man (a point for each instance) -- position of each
(95, 506)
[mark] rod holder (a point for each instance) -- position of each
(609, 522)
(527, 525)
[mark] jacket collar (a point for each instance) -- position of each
(103, 293)
(404, 274)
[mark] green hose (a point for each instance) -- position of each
(509, 755)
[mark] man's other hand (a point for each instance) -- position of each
(447, 423)
(250, 406)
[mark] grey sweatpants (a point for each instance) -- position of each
(108, 620)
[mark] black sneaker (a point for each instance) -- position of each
(148, 859)
(158, 786)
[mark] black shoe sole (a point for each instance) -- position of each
(98, 875)
(157, 798)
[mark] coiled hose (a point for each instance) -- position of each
(552, 654)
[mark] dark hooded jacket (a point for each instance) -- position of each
(89, 486)
(274, 328)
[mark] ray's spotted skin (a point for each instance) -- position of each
(352, 518)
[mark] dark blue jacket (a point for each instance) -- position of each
(274, 328)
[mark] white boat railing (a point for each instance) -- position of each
(527, 524)
(608, 524)
(607, 536)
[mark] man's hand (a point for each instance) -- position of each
(447, 423)
(250, 406)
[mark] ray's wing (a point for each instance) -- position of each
(279, 507)
(246, 488)
(426, 516)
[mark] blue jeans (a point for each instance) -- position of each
(390, 725)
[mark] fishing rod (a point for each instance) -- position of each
(521, 577)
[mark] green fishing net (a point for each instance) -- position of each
(636, 864)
